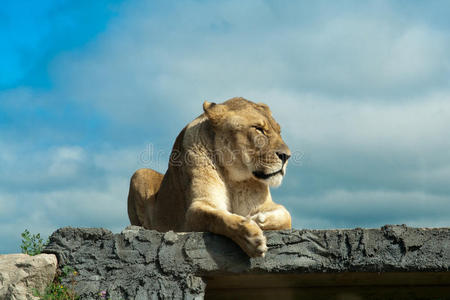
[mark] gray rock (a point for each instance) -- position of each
(146, 264)
(20, 274)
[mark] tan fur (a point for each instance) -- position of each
(218, 178)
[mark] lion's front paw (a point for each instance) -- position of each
(252, 239)
(260, 219)
(273, 220)
(263, 220)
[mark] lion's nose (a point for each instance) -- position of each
(283, 156)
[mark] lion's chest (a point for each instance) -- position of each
(245, 200)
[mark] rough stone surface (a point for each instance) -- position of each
(21, 273)
(146, 264)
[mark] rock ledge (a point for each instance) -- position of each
(146, 264)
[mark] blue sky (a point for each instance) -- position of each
(92, 90)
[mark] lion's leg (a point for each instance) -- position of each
(272, 216)
(144, 185)
(201, 216)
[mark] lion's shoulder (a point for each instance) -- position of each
(197, 135)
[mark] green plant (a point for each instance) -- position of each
(32, 244)
(58, 291)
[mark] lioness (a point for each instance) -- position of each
(218, 178)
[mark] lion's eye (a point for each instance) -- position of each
(259, 129)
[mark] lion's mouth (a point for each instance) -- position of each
(262, 175)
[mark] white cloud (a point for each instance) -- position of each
(146, 66)
(368, 208)
(100, 206)
(70, 196)
(401, 126)
(361, 56)
(66, 161)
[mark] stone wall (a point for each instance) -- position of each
(394, 262)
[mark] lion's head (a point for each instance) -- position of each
(247, 141)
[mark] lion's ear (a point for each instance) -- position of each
(214, 112)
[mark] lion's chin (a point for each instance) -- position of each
(275, 181)
(272, 180)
